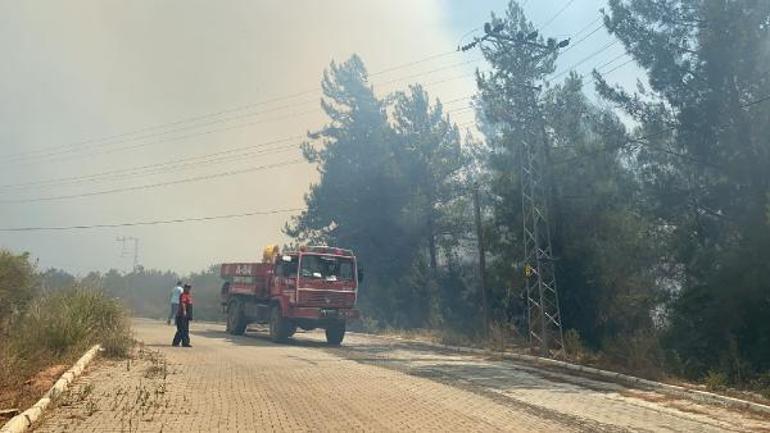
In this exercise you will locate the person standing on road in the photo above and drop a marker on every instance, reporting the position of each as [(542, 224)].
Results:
[(175, 293), (183, 317)]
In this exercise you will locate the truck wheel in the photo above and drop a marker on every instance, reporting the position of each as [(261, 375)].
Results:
[(279, 327), (236, 323), (335, 333)]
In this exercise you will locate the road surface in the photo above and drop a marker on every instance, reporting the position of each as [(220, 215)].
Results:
[(248, 384)]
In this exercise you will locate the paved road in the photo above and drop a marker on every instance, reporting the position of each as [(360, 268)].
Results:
[(247, 384)]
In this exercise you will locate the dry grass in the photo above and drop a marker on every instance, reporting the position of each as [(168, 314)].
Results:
[(499, 338), (50, 335)]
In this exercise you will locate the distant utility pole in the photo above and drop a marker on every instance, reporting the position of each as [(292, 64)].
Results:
[(543, 312), (482, 259), (123, 240)]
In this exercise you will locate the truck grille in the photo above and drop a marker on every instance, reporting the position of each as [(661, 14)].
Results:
[(326, 299)]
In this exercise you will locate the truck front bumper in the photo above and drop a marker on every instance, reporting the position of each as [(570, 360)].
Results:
[(317, 313)]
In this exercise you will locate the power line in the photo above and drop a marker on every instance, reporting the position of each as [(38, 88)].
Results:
[(585, 59), (416, 62), (127, 136), (165, 125), (157, 185), (131, 135), (165, 170), (203, 159), (586, 27), (65, 152), (623, 54), (573, 45), (147, 223), (556, 15), (186, 162), (160, 165), (642, 141), (432, 71), (618, 67), (468, 33), (285, 106), (67, 156)]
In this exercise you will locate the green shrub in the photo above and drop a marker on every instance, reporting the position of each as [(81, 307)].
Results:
[(573, 344), (715, 380)]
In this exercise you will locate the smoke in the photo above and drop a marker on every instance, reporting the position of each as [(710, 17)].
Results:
[(78, 70)]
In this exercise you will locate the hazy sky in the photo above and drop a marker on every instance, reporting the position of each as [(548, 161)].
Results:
[(94, 86)]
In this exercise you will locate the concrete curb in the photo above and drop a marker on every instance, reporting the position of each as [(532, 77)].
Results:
[(24, 420), (682, 391)]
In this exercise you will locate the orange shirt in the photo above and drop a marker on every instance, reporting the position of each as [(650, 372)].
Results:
[(185, 304)]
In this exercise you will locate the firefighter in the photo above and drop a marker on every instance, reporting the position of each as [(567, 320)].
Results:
[(183, 317)]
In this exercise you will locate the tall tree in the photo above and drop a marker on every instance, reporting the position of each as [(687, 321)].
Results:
[(432, 162), (704, 154), (358, 200), (604, 243), (18, 284), (603, 256), (511, 114)]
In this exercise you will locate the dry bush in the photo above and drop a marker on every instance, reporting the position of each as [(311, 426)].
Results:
[(69, 322), (502, 336), (639, 354), (57, 328)]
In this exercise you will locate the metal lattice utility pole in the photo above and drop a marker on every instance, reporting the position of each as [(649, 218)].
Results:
[(123, 240), (543, 312)]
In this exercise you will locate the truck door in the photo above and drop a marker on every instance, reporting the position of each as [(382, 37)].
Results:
[(285, 275)]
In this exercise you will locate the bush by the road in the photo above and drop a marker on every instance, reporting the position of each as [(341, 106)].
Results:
[(71, 321), (40, 329)]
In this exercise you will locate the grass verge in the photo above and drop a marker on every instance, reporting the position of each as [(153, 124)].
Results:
[(41, 342)]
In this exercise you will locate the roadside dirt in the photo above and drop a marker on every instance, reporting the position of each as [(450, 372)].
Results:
[(23, 396)]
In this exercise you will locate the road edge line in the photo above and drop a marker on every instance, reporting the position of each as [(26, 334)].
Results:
[(23, 421), (695, 394)]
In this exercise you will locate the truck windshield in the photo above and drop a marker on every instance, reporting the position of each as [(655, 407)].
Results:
[(331, 268)]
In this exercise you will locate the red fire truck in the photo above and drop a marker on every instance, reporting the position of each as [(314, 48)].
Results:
[(314, 287)]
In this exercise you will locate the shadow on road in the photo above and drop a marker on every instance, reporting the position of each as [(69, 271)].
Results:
[(416, 359), (252, 338)]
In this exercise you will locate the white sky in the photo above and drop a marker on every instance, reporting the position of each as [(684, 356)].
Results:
[(78, 71)]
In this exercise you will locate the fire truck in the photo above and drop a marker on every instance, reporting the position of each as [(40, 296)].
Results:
[(314, 287)]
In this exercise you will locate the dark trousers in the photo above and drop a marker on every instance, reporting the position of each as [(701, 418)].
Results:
[(182, 331)]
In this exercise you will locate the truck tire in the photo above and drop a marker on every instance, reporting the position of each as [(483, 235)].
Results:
[(335, 333), (280, 328), (236, 322)]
